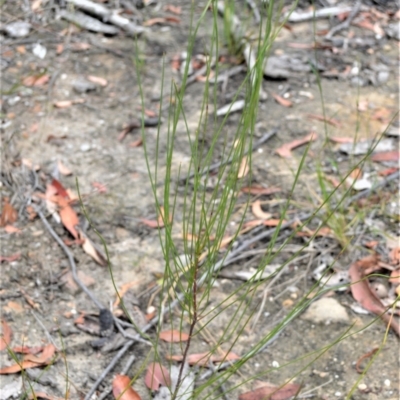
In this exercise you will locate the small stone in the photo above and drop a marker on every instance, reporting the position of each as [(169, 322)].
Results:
[(362, 387), (39, 51), (326, 310), (387, 382), (85, 147), (18, 29), (275, 364), (82, 85), (383, 77)]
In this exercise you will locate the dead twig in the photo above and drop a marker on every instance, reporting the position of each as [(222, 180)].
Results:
[(128, 344), (345, 24), (256, 12), (47, 333), (70, 258), (219, 164), (108, 15)]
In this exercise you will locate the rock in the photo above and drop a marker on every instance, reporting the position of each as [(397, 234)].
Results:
[(82, 85), (326, 310), (18, 29)]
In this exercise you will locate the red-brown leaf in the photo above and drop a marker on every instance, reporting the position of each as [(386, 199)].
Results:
[(97, 80), (27, 349), (11, 258), (5, 338), (393, 155), (173, 336), (203, 359), (260, 190), (174, 9), (330, 121), (272, 392), (60, 189), (285, 150), (122, 389), (31, 361), (43, 395), (68, 216), (282, 101), (157, 376), (8, 215), (12, 229), (363, 294)]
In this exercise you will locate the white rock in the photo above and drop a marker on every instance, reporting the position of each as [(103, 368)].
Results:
[(326, 310)]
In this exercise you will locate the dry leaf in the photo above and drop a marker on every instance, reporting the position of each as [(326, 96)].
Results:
[(90, 249), (21, 49), (173, 336), (12, 258), (157, 376), (285, 150), (12, 229), (38, 80), (258, 212), (29, 164), (9, 214), (244, 167), (68, 216), (393, 155), (80, 46), (330, 121), (31, 361), (281, 100), (42, 80), (136, 143), (363, 294), (273, 222), (36, 5), (59, 48), (5, 337), (203, 359), (154, 21), (101, 188), (14, 306), (150, 223), (97, 80), (63, 103), (174, 9), (388, 171), (63, 169), (67, 103), (42, 395), (341, 140), (260, 190), (27, 349), (272, 392), (121, 292), (122, 389)]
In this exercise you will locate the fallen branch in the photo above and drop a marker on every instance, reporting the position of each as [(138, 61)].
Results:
[(219, 164), (345, 24), (108, 16)]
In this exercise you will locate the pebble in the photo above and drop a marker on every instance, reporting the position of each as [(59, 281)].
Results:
[(18, 29), (82, 85), (362, 387), (326, 310), (85, 147)]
